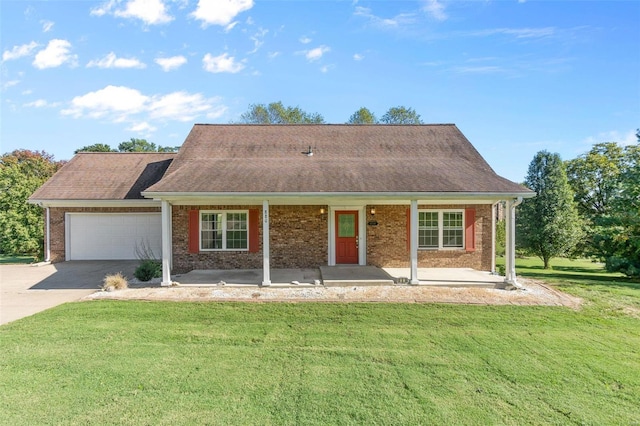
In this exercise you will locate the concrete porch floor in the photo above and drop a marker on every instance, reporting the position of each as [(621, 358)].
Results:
[(330, 276)]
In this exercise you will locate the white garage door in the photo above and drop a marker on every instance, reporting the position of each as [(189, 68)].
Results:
[(112, 236)]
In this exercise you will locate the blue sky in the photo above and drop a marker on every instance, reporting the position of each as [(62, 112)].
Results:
[(515, 76)]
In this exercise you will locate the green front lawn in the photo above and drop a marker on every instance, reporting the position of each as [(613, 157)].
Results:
[(111, 362)]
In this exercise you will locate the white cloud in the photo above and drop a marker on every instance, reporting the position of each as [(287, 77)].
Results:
[(10, 83), (118, 100), (220, 12), (121, 104), (172, 63), (385, 23), (326, 68), (317, 53), (230, 26), (181, 106), (19, 51), (37, 103), (55, 54), (623, 138), (358, 57), (221, 63), (435, 9), (151, 12), (142, 127), (517, 32), (304, 40), (258, 39), (47, 26), (111, 61)]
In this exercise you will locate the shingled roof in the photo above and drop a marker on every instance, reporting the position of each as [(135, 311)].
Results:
[(105, 176), (346, 159)]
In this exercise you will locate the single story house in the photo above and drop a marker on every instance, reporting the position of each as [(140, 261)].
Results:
[(286, 196)]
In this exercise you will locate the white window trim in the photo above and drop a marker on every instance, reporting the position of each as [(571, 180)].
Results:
[(224, 229), (441, 229)]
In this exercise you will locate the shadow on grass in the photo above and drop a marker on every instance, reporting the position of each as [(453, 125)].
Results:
[(585, 278), (15, 260)]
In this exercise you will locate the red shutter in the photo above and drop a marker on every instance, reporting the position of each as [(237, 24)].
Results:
[(194, 231), (470, 229), (254, 232), (409, 230)]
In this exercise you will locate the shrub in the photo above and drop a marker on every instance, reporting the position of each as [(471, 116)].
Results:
[(148, 270), (114, 282)]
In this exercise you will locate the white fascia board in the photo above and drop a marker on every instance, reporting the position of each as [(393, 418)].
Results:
[(96, 203), (191, 198)]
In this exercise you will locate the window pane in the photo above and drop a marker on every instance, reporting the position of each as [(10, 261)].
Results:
[(346, 225), (211, 236), (452, 229), (428, 229), (237, 231)]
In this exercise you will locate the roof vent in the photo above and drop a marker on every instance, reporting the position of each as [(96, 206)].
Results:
[(308, 152)]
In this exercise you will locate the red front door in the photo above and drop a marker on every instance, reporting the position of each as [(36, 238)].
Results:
[(347, 237)]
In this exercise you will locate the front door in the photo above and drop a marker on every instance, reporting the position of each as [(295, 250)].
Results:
[(347, 237)]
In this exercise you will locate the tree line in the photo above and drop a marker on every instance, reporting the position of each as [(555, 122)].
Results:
[(588, 206)]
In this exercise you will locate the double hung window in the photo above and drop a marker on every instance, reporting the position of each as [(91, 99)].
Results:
[(226, 230), (440, 229)]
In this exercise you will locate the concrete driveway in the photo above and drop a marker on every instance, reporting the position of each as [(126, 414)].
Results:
[(27, 289)]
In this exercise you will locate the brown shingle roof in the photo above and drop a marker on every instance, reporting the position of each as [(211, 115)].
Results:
[(105, 176), (346, 158)]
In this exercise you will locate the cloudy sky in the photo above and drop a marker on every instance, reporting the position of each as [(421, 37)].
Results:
[(516, 77)]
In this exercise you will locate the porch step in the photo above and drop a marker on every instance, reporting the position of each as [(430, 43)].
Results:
[(348, 275)]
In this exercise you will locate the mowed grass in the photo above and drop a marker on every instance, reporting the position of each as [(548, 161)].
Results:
[(111, 362), (14, 259)]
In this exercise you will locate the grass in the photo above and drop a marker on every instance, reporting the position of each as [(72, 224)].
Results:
[(111, 362), (6, 259)]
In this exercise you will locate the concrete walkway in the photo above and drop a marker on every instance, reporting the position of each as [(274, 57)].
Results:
[(26, 289)]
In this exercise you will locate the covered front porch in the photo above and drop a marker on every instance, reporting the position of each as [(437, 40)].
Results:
[(334, 276)]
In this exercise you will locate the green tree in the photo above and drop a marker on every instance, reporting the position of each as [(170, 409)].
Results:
[(548, 224), (21, 224), (277, 113), (595, 178), (362, 116), (96, 147), (619, 236), (137, 145), (401, 115)]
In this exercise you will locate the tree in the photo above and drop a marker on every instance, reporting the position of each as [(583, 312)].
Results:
[(21, 173), (96, 147), (277, 113), (362, 116), (401, 115), (619, 239), (548, 224), (137, 145), (595, 178)]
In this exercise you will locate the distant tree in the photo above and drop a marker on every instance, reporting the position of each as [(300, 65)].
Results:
[(277, 113), (96, 147), (21, 224), (548, 224), (362, 116), (168, 148), (137, 145), (401, 115)]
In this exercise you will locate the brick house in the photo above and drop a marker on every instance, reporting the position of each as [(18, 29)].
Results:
[(286, 196)]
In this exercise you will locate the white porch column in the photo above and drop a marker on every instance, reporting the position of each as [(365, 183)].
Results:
[(47, 241), (266, 272), (493, 238), (413, 231), (166, 243), (510, 244)]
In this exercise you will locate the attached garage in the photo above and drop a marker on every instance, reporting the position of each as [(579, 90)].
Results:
[(111, 236)]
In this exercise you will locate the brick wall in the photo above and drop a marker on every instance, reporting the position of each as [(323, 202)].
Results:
[(57, 217), (387, 242), (297, 239)]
